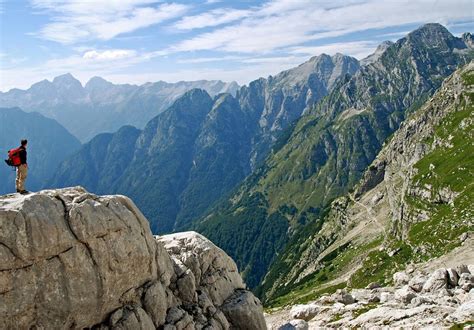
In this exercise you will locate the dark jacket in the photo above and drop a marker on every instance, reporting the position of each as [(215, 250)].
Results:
[(22, 155)]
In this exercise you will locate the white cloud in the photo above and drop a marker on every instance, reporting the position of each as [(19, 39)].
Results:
[(212, 18), (113, 54), (210, 59), (78, 20), (283, 23)]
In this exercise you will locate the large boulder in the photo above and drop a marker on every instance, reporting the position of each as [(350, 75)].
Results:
[(342, 296), (437, 280), (405, 294), (71, 259), (297, 324), (304, 312), (400, 278), (416, 282)]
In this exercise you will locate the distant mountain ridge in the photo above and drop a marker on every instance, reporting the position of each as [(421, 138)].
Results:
[(101, 106), (191, 155)]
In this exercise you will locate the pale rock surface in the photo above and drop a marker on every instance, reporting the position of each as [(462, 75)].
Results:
[(436, 281), (210, 267), (304, 312), (416, 282), (441, 305), (466, 281), (343, 297), (297, 324), (400, 278), (405, 294), (71, 259)]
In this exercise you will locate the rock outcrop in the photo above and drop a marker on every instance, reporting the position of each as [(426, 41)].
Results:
[(71, 259), (440, 303)]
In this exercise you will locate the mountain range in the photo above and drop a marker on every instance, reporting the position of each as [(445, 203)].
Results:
[(329, 149), (413, 206), (101, 106), (189, 156)]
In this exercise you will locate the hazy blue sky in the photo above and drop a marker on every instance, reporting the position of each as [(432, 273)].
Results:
[(136, 41)]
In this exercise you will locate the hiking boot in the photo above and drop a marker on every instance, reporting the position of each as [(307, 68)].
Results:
[(24, 192), (18, 190)]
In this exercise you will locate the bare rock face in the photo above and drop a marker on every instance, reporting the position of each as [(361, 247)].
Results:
[(70, 259), (219, 289)]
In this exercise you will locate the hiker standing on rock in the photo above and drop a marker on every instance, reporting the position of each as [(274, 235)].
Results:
[(17, 158), (22, 169)]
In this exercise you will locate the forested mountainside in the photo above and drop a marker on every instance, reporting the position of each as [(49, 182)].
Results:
[(101, 106), (191, 155), (328, 150), (413, 204), (49, 144)]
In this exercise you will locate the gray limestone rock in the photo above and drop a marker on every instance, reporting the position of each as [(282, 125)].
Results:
[(244, 311), (453, 277), (343, 297), (466, 282), (400, 278), (405, 294), (294, 325), (437, 280), (155, 303), (70, 259), (416, 282), (304, 312)]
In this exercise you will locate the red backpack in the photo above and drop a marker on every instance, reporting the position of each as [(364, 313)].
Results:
[(14, 157)]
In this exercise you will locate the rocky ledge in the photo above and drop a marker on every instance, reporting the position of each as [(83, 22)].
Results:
[(71, 259), (417, 299)]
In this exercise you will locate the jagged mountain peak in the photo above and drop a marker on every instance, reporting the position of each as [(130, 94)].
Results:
[(196, 93), (97, 82), (326, 67), (378, 52), (40, 85), (431, 29), (67, 79), (434, 35)]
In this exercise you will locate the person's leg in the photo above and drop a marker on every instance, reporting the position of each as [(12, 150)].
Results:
[(25, 175), (17, 181), (22, 171)]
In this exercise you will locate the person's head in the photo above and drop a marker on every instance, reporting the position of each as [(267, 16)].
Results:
[(24, 143)]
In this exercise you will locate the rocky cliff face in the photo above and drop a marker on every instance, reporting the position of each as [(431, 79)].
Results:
[(70, 259)]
